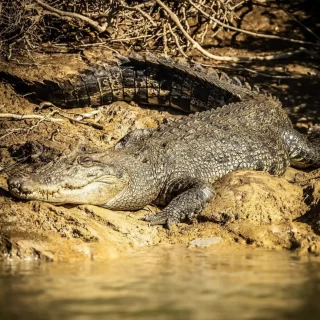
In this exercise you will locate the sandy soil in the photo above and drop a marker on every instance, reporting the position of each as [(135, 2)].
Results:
[(250, 209)]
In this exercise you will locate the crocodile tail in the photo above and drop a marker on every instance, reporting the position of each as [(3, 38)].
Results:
[(34, 91), (144, 79), (148, 80)]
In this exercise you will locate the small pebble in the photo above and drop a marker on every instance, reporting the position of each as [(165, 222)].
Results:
[(205, 242)]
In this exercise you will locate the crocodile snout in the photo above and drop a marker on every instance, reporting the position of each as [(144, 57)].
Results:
[(18, 187)]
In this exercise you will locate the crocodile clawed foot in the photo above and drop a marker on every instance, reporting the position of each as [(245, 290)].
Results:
[(161, 218)]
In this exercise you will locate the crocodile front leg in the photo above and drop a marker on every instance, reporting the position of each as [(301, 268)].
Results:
[(191, 201)]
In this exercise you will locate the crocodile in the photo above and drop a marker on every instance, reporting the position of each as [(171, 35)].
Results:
[(175, 166)]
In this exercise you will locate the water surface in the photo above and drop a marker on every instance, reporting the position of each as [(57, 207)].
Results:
[(165, 283)]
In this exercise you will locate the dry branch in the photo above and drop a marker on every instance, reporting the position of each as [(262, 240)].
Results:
[(78, 119), (68, 15), (255, 34), (15, 116), (206, 53), (28, 25), (144, 14)]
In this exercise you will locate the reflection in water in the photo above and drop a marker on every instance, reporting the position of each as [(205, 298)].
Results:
[(166, 283)]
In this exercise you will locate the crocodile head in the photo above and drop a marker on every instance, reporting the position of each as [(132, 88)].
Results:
[(80, 178)]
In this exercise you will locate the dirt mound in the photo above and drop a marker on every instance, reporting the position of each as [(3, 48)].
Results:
[(252, 208)]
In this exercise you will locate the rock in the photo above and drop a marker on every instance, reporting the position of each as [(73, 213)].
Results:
[(205, 242)]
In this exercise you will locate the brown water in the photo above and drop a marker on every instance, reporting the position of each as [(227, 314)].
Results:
[(166, 283)]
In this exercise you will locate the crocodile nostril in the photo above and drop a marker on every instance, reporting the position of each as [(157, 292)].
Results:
[(16, 184)]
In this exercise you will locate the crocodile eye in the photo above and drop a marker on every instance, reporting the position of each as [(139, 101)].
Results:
[(85, 161)]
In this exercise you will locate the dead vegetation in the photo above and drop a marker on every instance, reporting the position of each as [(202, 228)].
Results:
[(170, 27)]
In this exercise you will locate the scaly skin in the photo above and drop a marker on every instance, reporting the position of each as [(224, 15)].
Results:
[(146, 80), (176, 164)]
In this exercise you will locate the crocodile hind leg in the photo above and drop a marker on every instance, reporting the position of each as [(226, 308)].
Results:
[(189, 202), (303, 151)]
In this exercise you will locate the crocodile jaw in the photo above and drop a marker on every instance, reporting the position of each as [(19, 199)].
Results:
[(94, 192)]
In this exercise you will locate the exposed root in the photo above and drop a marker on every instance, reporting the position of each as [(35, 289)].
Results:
[(76, 118), (14, 116)]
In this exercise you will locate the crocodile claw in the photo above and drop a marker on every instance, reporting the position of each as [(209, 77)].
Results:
[(160, 218)]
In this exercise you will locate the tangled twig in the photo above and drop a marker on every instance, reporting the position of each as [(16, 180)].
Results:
[(206, 53), (15, 116), (78, 118), (255, 34), (159, 25), (67, 15)]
